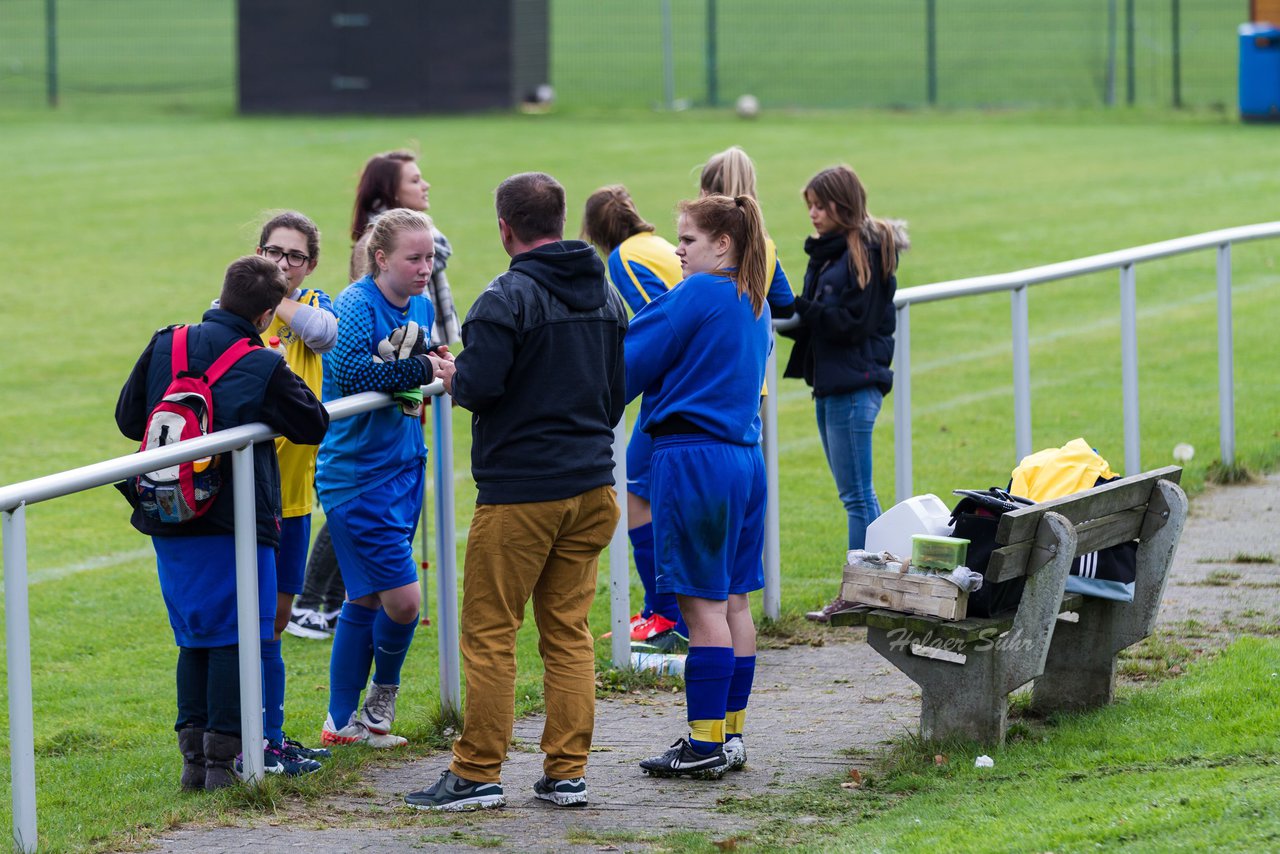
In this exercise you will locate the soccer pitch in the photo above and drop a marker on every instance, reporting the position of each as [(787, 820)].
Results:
[(115, 225)]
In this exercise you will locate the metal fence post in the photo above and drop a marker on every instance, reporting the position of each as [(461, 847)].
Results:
[(1176, 14), (1131, 54), (619, 556), (51, 51), (1129, 369), (17, 636), (1226, 362), (1112, 41), (1021, 373), (446, 558), (931, 50), (713, 82), (668, 59), (247, 621), (772, 507), (902, 405)]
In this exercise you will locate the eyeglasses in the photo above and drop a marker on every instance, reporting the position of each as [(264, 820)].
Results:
[(275, 253)]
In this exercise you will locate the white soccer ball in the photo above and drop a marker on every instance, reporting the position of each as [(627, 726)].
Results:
[(1182, 452), (748, 106)]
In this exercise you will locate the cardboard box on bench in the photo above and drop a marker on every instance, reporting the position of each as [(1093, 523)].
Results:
[(915, 594)]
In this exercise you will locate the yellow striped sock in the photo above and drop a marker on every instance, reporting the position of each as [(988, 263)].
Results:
[(711, 732), (733, 721)]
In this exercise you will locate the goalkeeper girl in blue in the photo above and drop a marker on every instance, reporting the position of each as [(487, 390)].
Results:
[(370, 475), (697, 353), (642, 266)]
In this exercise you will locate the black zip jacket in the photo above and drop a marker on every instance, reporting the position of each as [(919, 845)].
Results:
[(259, 387), (845, 340), (542, 372)]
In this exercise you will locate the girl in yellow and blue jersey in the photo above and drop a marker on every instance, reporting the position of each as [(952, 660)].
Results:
[(304, 327), (642, 266)]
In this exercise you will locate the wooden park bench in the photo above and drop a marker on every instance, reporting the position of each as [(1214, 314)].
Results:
[(966, 669)]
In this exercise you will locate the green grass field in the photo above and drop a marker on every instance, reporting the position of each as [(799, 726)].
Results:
[(816, 53), (114, 225)]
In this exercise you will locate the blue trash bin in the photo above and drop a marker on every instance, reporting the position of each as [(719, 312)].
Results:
[(1259, 72)]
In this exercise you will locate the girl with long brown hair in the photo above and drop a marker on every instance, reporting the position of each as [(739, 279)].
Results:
[(844, 344)]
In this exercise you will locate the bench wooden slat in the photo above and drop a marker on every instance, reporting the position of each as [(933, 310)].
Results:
[(961, 630), (1012, 561), (1019, 525)]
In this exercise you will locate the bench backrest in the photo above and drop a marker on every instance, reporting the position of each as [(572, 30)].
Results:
[(1117, 512)]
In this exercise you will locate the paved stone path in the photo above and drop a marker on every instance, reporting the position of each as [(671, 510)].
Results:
[(840, 695)]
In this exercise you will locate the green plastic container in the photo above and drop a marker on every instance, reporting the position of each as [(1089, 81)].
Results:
[(945, 553)]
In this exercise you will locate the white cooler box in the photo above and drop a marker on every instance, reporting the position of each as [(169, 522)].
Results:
[(920, 514)]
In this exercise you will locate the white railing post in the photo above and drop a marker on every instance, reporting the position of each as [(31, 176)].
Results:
[(772, 508), (17, 637), (1226, 362), (446, 557), (902, 404), (619, 556), (1129, 369), (1021, 373), (247, 619)]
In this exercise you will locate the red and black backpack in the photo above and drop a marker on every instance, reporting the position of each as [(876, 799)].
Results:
[(182, 492)]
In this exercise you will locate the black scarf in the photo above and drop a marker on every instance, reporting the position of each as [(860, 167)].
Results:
[(822, 250)]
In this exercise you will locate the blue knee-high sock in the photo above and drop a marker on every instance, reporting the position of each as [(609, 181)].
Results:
[(390, 645), (708, 671), (272, 691), (744, 672), (350, 660), (642, 550)]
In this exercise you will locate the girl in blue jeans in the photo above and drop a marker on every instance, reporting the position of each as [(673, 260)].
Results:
[(844, 344)]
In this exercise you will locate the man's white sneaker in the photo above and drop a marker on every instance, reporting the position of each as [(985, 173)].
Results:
[(357, 733)]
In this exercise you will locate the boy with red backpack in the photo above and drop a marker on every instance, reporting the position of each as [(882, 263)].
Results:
[(191, 380)]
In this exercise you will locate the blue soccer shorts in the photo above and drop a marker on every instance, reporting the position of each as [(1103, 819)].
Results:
[(373, 534), (708, 500), (639, 455), (291, 560)]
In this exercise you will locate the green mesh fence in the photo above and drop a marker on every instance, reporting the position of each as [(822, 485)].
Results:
[(859, 53), (605, 53), (166, 53)]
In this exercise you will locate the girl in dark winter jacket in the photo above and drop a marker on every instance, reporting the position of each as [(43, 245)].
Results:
[(844, 344)]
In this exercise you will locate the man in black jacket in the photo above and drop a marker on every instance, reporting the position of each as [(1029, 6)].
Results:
[(196, 558), (542, 373)]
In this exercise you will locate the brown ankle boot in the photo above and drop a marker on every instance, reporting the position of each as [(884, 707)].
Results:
[(191, 743), (220, 752)]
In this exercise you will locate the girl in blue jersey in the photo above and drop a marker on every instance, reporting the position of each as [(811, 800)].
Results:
[(844, 344), (370, 476), (642, 266), (697, 354)]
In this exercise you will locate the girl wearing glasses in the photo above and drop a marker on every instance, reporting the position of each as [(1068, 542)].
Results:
[(305, 327), (393, 180)]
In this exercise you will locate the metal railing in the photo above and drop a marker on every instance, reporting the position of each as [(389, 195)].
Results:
[(1016, 283), (239, 442)]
